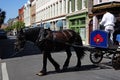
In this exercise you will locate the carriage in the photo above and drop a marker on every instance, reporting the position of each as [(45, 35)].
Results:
[(51, 41), (101, 47)]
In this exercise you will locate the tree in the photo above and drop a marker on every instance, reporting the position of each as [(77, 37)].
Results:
[(17, 25), (2, 17)]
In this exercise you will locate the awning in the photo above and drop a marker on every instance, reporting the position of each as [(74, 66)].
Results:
[(47, 25), (106, 6), (59, 23)]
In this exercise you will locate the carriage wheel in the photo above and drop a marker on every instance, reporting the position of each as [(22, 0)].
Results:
[(116, 61), (96, 57)]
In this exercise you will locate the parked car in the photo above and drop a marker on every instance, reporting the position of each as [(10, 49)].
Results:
[(3, 34)]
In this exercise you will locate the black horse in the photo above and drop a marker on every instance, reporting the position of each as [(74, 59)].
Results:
[(49, 41)]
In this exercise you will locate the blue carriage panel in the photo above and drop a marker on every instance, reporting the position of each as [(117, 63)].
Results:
[(99, 38), (118, 37)]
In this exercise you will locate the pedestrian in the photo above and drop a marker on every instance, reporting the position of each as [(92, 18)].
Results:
[(108, 21)]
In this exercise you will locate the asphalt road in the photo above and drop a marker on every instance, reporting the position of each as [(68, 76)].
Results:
[(26, 67), (7, 48), (27, 63)]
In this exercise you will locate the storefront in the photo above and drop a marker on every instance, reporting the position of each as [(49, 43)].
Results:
[(78, 23), (100, 9)]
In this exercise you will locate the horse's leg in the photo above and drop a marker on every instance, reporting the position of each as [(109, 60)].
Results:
[(69, 54), (56, 65), (79, 54), (44, 69)]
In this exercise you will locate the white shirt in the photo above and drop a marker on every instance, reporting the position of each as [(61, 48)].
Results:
[(108, 19)]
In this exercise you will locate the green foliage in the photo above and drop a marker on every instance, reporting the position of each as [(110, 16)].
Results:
[(17, 25)]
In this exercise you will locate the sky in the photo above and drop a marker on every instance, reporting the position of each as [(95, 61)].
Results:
[(11, 7)]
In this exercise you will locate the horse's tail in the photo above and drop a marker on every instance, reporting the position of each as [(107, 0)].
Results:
[(79, 46), (78, 40)]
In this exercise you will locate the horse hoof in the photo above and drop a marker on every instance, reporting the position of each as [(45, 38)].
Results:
[(41, 74), (64, 69), (77, 68), (58, 70)]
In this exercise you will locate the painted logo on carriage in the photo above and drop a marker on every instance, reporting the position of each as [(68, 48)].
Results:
[(98, 39)]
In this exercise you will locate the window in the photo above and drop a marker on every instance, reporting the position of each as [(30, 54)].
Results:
[(77, 21), (72, 22), (82, 20), (100, 0), (73, 5), (79, 4), (60, 7), (82, 33)]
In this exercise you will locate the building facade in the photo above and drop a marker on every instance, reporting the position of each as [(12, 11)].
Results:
[(59, 14), (52, 13), (21, 14), (100, 7), (27, 13), (77, 17), (32, 12)]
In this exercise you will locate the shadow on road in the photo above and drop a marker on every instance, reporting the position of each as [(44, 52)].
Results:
[(83, 68), (7, 49)]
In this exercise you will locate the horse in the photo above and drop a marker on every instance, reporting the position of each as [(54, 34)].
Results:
[(52, 41)]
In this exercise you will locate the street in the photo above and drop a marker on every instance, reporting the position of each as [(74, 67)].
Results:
[(27, 63), (54, 25)]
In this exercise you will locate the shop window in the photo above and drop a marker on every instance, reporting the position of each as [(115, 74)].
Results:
[(77, 30), (78, 21), (73, 28), (82, 33), (82, 20), (72, 22)]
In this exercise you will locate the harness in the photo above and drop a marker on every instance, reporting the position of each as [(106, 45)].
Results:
[(53, 38), (65, 34)]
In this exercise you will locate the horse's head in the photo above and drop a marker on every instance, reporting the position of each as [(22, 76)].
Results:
[(20, 41)]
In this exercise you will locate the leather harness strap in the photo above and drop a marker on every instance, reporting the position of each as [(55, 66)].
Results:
[(65, 35), (69, 33)]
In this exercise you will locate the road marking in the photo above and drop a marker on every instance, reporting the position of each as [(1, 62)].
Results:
[(4, 71)]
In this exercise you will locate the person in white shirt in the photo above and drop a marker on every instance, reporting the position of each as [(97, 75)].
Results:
[(108, 21)]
